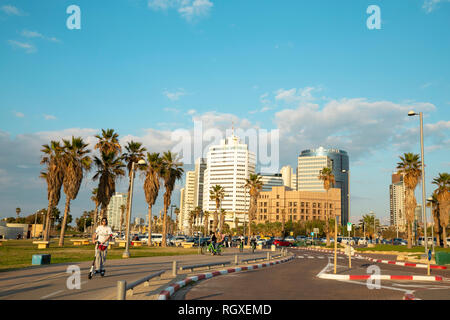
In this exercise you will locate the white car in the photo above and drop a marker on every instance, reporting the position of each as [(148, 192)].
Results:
[(177, 240), (290, 239)]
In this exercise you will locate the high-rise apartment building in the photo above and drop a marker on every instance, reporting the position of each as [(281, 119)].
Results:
[(310, 162), (189, 200), (289, 177), (397, 202), (113, 210), (271, 180), (229, 164)]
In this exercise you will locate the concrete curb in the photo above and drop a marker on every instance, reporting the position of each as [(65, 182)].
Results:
[(379, 277), (403, 264), (172, 288)]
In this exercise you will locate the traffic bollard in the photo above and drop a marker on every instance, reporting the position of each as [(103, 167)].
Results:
[(236, 259), (174, 269), (121, 292), (268, 256)]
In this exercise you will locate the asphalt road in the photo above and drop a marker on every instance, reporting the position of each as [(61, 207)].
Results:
[(297, 280), (50, 282)]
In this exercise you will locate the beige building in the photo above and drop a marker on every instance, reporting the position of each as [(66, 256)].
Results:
[(297, 205)]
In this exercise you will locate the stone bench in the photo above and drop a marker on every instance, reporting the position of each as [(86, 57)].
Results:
[(136, 243), (80, 242), (122, 243), (2, 240), (42, 244)]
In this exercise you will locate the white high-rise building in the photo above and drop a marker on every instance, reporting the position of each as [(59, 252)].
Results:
[(180, 216), (309, 170), (113, 211), (189, 200), (289, 177), (271, 180), (229, 164), (397, 202)]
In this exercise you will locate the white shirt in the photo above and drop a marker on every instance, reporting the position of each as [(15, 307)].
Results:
[(103, 233)]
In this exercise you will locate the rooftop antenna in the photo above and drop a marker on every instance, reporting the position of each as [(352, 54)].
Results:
[(232, 128)]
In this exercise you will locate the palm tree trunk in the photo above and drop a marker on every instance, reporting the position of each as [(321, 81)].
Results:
[(47, 221), (149, 242), (327, 215), (164, 228), (444, 236), (63, 225), (409, 235), (94, 220)]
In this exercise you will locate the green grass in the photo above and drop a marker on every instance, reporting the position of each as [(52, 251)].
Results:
[(389, 247), (16, 254)]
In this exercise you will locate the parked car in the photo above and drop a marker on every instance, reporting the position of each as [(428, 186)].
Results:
[(347, 240), (399, 241), (290, 239), (177, 240), (282, 243), (300, 238)]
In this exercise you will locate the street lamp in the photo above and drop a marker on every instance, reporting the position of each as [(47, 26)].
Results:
[(126, 253), (431, 200), (411, 114), (348, 194), (373, 214)]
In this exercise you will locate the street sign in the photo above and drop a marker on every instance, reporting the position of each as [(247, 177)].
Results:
[(312, 233), (316, 230), (349, 226), (349, 251), (429, 255), (292, 233)]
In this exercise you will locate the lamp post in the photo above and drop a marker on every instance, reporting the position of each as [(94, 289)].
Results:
[(411, 114), (430, 199), (348, 194), (126, 253)]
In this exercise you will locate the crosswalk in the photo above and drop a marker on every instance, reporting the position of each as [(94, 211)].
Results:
[(318, 257)]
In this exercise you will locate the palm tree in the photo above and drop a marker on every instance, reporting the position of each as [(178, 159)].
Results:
[(434, 204), (76, 163), (368, 221), (97, 203), (54, 176), (109, 168), (192, 215), (153, 172), (327, 176), (217, 194), (171, 172), (254, 184), (177, 214), (134, 153), (18, 212), (443, 198), (206, 222), (198, 212), (222, 219), (410, 168), (108, 142), (122, 215)]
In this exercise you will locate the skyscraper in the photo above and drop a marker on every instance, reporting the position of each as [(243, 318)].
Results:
[(271, 180), (113, 210), (229, 164), (397, 202), (289, 177), (311, 161)]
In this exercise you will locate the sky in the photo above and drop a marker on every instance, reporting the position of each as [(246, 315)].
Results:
[(310, 72)]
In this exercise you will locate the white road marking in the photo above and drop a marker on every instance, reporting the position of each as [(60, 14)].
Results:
[(300, 257), (320, 257), (51, 294), (310, 257)]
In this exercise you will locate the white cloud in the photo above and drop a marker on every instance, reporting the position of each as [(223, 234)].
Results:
[(430, 5), (174, 96), (28, 47), (11, 10), (49, 117), (188, 9), (19, 114), (295, 95), (35, 34)]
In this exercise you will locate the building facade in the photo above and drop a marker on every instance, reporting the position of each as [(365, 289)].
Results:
[(397, 202), (284, 203), (271, 180), (229, 164), (289, 177), (311, 161), (113, 211)]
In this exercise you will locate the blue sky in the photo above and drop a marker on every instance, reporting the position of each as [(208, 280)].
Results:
[(311, 69)]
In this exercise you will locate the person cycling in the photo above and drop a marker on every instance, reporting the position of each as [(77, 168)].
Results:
[(253, 242), (214, 241), (101, 238), (241, 243)]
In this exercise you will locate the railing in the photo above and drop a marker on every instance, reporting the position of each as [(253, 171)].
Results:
[(123, 287), (209, 265)]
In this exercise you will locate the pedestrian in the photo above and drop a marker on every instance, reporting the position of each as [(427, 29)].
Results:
[(101, 238)]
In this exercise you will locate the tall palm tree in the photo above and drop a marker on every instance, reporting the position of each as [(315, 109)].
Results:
[(97, 203), (153, 172), (254, 184), (108, 142), (206, 222), (76, 163), (134, 153), (443, 197), (327, 176), (109, 169), (222, 219), (217, 194), (171, 172), (54, 175), (191, 220), (198, 212), (177, 214), (122, 215), (435, 212), (410, 167), (18, 212)]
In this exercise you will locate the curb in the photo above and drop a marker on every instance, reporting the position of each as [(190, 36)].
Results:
[(404, 264), (379, 277), (409, 296), (174, 287)]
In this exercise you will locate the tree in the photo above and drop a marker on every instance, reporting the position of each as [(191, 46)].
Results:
[(109, 168), (442, 193), (122, 215), (254, 184), (18, 212), (97, 203), (171, 172), (108, 142), (368, 221), (192, 215), (53, 175), (327, 176), (222, 219), (153, 173), (410, 168), (217, 194), (206, 222), (76, 162)]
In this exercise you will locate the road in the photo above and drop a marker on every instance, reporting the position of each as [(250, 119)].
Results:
[(297, 280)]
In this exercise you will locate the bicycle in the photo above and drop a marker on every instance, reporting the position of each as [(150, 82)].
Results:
[(253, 246), (213, 250), (241, 246)]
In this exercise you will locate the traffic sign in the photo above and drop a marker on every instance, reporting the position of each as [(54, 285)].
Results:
[(312, 233), (429, 255), (349, 226)]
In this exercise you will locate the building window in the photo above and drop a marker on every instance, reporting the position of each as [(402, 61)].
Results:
[(290, 218), (302, 211), (278, 204), (278, 211), (314, 204), (303, 204), (295, 218), (278, 196), (314, 211), (295, 210), (278, 217), (295, 204), (307, 211), (290, 204), (307, 204)]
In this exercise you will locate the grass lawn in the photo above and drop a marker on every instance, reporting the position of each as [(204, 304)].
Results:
[(18, 253), (389, 247)]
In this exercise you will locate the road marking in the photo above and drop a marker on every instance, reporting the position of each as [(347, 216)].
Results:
[(320, 257), (310, 257), (51, 294), (300, 257)]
